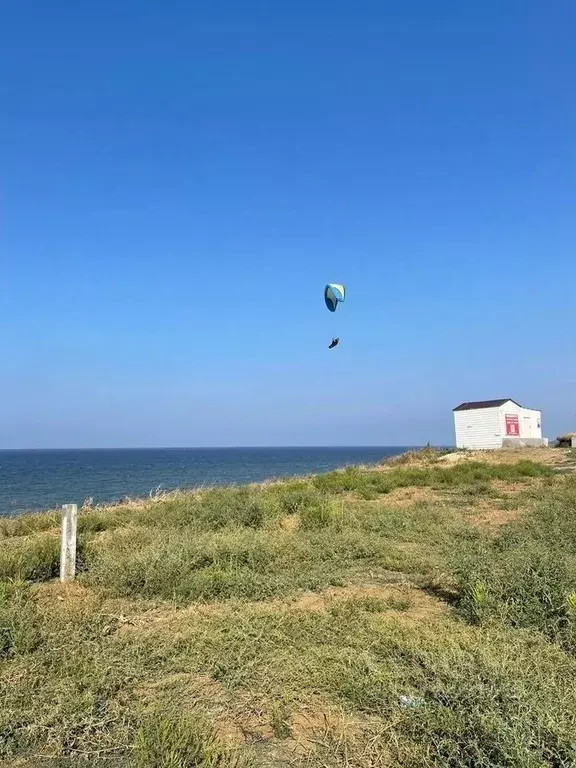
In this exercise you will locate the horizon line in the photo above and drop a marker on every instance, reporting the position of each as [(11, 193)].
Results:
[(216, 447)]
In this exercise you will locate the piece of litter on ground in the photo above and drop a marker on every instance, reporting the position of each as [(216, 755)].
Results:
[(410, 702)]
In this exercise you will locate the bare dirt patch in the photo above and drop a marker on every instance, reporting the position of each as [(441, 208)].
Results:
[(189, 690), (508, 506), (486, 515), (316, 725), (315, 721), (548, 456), (406, 599), (290, 523), (407, 497)]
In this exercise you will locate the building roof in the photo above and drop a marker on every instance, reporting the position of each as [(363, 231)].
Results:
[(485, 404)]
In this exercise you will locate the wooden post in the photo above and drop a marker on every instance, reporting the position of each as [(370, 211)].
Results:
[(68, 542)]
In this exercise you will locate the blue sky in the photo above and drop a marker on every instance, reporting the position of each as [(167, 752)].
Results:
[(180, 180)]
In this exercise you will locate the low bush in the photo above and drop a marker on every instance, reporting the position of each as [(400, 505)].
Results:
[(31, 558), (321, 514), (526, 575), (479, 475), (23, 525)]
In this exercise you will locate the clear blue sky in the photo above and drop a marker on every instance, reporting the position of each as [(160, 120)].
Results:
[(179, 181)]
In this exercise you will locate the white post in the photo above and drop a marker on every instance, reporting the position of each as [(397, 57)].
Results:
[(68, 542)]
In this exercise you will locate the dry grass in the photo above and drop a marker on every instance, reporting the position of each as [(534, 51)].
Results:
[(282, 624), (401, 498), (552, 457)]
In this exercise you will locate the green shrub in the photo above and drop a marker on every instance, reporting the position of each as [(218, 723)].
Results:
[(211, 510), (525, 575), (293, 497), (317, 516), (525, 587), (340, 481)]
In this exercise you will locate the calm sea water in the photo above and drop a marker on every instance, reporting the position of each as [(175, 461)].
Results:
[(36, 480)]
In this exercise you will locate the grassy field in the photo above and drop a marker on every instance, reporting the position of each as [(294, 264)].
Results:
[(417, 613)]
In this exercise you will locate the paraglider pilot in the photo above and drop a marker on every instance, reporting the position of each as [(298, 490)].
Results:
[(334, 294)]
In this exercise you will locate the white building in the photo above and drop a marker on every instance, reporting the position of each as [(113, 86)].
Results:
[(493, 423)]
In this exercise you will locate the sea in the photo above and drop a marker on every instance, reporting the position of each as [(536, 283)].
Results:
[(35, 480)]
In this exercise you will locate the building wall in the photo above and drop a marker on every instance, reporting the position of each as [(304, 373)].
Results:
[(533, 421), (480, 428), (487, 427), (529, 420), (511, 409)]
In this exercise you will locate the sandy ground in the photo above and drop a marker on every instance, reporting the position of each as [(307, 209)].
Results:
[(549, 456)]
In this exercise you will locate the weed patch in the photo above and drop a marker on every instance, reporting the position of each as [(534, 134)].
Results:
[(478, 476), (19, 626), (526, 575), (167, 739), (32, 558)]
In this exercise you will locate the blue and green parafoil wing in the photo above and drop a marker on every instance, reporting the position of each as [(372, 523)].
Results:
[(333, 295)]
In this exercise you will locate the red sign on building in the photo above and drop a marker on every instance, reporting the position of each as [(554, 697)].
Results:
[(512, 425)]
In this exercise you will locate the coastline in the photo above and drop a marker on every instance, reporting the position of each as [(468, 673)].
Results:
[(285, 621), (40, 480)]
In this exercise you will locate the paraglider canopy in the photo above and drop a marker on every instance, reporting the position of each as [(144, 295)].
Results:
[(333, 295)]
